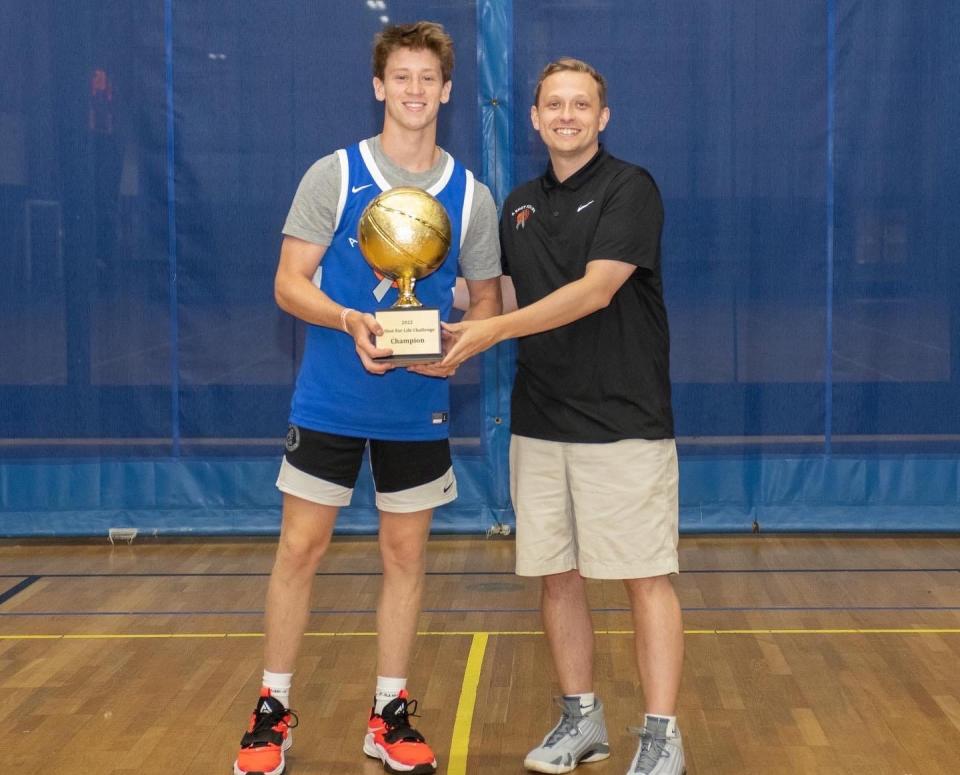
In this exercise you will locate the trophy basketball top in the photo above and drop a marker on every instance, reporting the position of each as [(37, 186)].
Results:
[(404, 233)]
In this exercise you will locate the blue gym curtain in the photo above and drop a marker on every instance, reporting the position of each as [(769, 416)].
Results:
[(808, 158)]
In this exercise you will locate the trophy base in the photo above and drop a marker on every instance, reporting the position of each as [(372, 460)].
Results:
[(412, 333), (410, 360)]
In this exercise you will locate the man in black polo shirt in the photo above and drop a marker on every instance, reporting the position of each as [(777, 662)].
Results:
[(593, 458)]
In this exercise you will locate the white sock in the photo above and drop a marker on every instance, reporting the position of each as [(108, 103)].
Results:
[(387, 689), (587, 700), (279, 686), (671, 722)]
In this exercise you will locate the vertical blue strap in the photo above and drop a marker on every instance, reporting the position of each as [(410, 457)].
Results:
[(495, 93), (495, 97), (831, 216), (172, 235)]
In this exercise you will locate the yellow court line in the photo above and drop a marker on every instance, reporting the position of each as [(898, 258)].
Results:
[(488, 633), (460, 742)]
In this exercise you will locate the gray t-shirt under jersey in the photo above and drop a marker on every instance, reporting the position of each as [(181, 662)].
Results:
[(313, 213)]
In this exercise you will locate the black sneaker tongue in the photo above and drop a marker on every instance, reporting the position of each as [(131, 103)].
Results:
[(269, 705), (395, 708)]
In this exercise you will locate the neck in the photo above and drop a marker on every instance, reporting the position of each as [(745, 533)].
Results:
[(564, 166), (415, 151)]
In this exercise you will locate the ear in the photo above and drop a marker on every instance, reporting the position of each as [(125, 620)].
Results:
[(604, 117), (445, 92), (535, 117), (378, 91)]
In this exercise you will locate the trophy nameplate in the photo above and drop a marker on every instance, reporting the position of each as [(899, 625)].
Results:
[(413, 333)]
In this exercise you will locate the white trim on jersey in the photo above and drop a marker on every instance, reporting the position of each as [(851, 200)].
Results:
[(437, 187), (467, 205), (372, 167), (344, 185)]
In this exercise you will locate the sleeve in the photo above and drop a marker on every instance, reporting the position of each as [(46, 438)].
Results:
[(630, 222), (313, 214), (480, 254), (504, 224)]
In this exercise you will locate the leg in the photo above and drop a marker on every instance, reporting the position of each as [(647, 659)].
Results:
[(658, 641), (304, 538), (390, 738), (316, 478), (412, 478), (546, 547), (625, 498), (403, 543), (581, 734), (569, 629)]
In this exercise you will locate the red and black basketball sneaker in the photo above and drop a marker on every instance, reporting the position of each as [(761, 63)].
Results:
[(392, 740), (266, 739)]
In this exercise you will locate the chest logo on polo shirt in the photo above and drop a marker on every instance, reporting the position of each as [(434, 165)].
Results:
[(521, 215)]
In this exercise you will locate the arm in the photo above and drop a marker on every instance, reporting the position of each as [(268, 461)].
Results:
[(479, 257), (462, 295), (629, 227), (483, 301), (295, 293), (568, 303)]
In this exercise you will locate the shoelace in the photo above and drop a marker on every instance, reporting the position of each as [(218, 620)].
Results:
[(566, 726), (267, 721), (398, 723), (650, 749)]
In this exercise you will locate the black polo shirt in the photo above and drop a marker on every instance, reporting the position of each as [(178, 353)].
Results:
[(605, 377)]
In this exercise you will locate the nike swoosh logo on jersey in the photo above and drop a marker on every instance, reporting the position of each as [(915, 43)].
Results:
[(355, 189), (584, 207)]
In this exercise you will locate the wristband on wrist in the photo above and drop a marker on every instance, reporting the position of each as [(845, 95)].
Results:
[(343, 318)]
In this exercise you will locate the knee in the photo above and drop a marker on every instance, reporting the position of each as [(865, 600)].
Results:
[(646, 589), (302, 554), (402, 556), (562, 585)]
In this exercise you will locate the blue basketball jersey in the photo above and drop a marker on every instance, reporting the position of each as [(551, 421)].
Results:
[(334, 393)]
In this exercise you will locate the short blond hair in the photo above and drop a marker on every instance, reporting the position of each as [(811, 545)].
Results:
[(570, 64), (419, 36)]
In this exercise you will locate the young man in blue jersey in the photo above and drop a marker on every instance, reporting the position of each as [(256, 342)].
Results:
[(346, 400)]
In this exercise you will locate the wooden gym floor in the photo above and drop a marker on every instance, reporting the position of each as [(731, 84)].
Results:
[(828, 655)]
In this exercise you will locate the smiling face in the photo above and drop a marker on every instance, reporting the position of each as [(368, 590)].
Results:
[(412, 89), (569, 117)]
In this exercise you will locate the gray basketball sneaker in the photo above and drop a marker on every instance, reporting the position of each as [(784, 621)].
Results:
[(659, 753), (577, 738)]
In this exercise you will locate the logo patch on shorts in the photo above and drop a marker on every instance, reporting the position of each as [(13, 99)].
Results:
[(439, 418), (292, 442)]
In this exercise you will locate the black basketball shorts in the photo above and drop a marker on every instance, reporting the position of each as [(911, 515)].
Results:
[(408, 475)]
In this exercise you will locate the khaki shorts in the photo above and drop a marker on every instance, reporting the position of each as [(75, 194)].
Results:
[(609, 510)]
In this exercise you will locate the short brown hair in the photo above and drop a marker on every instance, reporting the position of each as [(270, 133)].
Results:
[(569, 64), (418, 36)]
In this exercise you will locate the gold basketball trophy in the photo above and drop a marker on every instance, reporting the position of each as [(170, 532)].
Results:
[(404, 234)]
